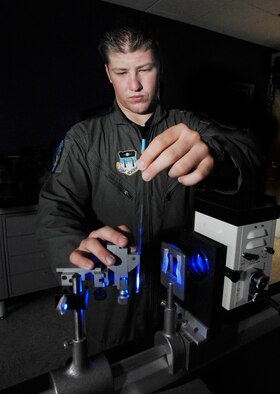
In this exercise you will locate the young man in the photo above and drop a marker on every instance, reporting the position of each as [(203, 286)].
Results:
[(102, 180)]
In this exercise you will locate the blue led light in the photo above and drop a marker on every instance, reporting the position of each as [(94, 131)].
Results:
[(64, 307)]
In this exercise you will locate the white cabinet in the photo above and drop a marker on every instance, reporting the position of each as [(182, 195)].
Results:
[(23, 265)]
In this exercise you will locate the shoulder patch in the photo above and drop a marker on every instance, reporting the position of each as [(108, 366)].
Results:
[(58, 154)]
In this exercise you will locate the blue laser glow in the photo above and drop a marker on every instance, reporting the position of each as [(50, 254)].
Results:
[(138, 278), (86, 298), (199, 265), (143, 144)]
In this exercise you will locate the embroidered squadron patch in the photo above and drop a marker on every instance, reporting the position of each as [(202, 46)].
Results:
[(127, 163)]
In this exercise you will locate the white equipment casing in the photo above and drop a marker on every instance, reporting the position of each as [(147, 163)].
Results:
[(250, 239)]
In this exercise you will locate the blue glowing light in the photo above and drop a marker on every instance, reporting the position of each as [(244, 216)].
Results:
[(143, 144), (138, 278), (137, 284), (81, 286), (174, 247), (64, 307), (198, 265), (86, 298), (174, 266), (139, 246)]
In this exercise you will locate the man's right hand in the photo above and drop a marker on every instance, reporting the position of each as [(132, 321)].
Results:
[(93, 245)]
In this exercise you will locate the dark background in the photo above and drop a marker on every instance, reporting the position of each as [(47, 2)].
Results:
[(52, 77), (52, 74)]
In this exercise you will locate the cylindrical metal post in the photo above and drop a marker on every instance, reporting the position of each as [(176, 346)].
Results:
[(169, 325), (78, 313)]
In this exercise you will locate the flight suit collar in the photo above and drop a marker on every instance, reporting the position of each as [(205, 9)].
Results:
[(120, 118)]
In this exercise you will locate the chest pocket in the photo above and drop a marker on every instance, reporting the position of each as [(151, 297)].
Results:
[(120, 186), (114, 198)]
